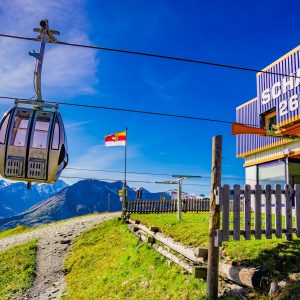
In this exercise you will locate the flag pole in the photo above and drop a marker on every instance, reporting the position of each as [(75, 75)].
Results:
[(125, 156), (124, 200)]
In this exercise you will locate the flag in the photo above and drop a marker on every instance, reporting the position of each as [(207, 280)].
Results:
[(115, 139)]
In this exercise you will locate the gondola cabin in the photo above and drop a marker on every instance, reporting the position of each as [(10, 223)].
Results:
[(33, 145)]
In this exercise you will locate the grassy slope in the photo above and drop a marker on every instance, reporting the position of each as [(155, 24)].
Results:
[(17, 269), (107, 262), (16, 230), (277, 255)]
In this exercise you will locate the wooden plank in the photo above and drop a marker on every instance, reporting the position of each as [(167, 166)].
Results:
[(268, 211), (236, 212), (278, 211), (139, 206), (251, 277), (257, 212), (199, 272), (297, 208), (163, 251), (288, 212), (201, 252), (247, 212), (225, 213)]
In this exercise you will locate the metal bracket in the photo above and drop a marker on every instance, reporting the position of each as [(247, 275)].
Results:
[(34, 54), (218, 238), (37, 104)]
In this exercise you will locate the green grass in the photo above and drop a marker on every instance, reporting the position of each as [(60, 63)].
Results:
[(276, 255), (17, 269), (192, 229), (13, 231), (108, 262)]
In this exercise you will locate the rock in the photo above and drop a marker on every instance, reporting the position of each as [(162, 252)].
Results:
[(273, 288), (282, 283), (145, 284), (65, 241), (294, 276)]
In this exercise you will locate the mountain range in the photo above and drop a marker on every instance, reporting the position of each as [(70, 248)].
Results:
[(83, 197), (15, 197)]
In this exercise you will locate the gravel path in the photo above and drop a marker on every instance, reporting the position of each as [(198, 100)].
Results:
[(54, 243)]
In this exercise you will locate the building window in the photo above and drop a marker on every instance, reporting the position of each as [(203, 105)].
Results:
[(272, 173), (268, 120)]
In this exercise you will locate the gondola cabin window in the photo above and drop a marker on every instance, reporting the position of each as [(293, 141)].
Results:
[(3, 129), (41, 130), (55, 140), (20, 128)]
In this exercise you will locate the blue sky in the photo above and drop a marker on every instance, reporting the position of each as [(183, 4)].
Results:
[(246, 33)]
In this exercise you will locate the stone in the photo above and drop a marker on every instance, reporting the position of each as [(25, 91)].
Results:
[(65, 241), (273, 288), (282, 283), (294, 276)]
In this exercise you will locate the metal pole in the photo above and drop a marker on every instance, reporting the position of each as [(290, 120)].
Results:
[(108, 202), (214, 224), (124, 197), (38, 70), (179, 200), (287, 176)]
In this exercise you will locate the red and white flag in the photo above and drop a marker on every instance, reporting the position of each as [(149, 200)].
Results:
[(115, 139)]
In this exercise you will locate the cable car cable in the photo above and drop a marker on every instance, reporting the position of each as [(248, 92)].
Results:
[(130, 110), (168, 57), (164, 174), (110, 179)]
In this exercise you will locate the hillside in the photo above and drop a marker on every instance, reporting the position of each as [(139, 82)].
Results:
[(53, 245), (83, 197)]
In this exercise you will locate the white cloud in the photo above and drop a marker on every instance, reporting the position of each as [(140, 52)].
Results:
[(76, 125), (67, 71), (101, 157)]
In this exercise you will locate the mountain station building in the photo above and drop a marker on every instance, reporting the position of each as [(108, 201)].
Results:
[(276, 107)]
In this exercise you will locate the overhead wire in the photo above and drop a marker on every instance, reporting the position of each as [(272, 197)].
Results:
[(165, 174), (147, 54), (142, 111), (130, 110), (129, 180)]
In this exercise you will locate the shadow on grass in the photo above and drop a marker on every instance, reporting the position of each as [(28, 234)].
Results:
[(280, 260)]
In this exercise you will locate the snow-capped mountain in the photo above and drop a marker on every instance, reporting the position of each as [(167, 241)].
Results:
[(3, 184), (83, 197), (15, 197)]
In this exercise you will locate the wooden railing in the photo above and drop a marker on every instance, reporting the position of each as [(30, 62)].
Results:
[(273, 207), (166, 206)]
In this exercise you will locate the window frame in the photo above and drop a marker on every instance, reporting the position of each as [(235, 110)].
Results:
[(6, 117), (56, 121), (12, 138), (37, 114)]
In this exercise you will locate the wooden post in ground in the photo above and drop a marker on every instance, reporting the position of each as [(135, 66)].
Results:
[(214, 224), (179, 200)]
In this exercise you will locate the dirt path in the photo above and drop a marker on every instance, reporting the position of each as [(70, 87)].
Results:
[(54, 243)]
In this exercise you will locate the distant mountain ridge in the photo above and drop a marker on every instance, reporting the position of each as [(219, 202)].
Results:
[(83, 197), (15, 197)]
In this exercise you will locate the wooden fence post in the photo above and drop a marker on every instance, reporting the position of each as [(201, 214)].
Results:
[(214, 224)]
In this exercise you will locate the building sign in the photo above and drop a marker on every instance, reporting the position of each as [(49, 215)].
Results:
[(281, 93)]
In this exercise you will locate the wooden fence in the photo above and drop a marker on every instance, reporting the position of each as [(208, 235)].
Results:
[(166, 206), (273, 207)]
